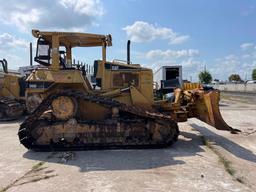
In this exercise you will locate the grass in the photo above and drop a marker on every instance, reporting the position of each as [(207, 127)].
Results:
[(225, 162), (38, 179), (35, 167), (240, 180)]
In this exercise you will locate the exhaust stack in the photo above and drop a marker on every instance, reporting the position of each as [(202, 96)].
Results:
[(128, 52), (31, 53), (5, 66)]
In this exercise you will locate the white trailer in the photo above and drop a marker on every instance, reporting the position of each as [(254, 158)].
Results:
[(169, 76)]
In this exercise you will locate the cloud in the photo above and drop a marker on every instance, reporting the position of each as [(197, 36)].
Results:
[(179, 39), (141, 31), (240, 63), (14, 50), (246, 46), (226, 66), (192, 64), (188, 58), (169, 54), (48, 14), (230, 57), (8, 41), (84, 7)]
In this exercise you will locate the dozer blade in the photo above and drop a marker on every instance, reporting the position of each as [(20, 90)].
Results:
[(207, 110)]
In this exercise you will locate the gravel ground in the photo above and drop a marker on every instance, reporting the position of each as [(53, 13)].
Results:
[(204, 159)]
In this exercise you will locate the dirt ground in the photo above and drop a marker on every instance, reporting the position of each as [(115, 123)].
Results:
[(204, 159)]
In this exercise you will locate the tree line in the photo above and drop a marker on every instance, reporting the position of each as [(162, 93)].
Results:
[(206, 77)]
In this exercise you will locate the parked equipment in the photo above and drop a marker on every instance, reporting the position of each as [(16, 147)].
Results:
[(167, 79), (119, 111), (12, 93)]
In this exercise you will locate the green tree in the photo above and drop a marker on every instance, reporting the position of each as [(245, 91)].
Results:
[(205, 77), (234, 77), (254, 74)]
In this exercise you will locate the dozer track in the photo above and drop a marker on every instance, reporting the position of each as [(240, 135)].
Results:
[(10, 109), (134, 127)]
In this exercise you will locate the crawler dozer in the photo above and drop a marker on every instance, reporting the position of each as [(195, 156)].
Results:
[(12, 94), (119, 111)]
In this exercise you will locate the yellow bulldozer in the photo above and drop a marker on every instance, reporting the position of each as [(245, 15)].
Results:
[(120, 110), (12, 93)]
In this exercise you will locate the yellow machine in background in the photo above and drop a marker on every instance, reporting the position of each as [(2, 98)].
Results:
[(120, 110), (12, 93)]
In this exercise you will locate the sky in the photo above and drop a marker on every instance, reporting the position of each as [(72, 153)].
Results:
[(219, 35)]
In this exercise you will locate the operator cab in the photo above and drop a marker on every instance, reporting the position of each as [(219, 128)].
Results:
[(44, 52), (54, 50), (44, 56)]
